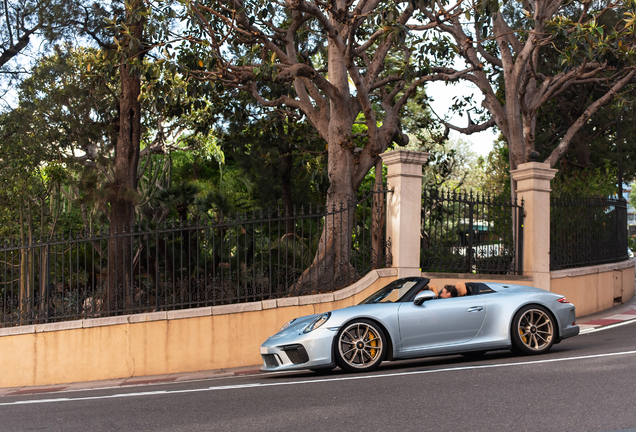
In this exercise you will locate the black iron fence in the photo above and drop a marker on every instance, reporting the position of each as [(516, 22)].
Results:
[(177, 265), (471, 233), (587, 231)]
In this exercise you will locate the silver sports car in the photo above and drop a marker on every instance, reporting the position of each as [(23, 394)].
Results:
[(407, 319)]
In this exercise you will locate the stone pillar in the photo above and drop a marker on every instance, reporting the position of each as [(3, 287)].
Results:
[(404, 221), (533, 185)]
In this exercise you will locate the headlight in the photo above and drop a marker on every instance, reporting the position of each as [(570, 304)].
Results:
[(318, 322), (287, 324)]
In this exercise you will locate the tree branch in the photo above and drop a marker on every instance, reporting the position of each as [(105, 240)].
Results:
[(563, 146)]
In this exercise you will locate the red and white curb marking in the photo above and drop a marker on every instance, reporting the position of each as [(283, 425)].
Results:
[(590, 326)]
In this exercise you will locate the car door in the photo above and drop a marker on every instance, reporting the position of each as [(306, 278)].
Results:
[(440, 322)]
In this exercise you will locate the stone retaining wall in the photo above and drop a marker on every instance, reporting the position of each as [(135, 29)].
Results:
[(158, 343)]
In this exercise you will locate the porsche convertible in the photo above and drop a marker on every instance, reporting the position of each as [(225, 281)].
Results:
[(407, 319)]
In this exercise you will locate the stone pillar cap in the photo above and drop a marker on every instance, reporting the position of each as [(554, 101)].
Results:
[(405, 157), (533, 170)]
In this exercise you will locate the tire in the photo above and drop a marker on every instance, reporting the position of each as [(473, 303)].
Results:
[(360, 346), (533, 330)]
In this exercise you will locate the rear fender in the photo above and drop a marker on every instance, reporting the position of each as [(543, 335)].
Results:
[(550, 312)]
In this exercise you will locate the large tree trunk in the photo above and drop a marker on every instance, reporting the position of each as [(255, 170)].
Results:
[(378, 219), (331, 265), (123, 190)]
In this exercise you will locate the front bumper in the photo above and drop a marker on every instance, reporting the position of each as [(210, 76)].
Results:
[(298, 351)]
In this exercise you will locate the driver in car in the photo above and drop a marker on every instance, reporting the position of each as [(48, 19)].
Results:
[(448, 291)]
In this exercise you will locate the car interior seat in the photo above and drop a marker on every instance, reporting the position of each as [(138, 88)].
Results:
[(433, 288)]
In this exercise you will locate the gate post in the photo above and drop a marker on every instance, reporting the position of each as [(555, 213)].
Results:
[(533, 186), (404, 208)]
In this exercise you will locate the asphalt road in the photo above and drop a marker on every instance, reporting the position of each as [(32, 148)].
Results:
[(587, 383)]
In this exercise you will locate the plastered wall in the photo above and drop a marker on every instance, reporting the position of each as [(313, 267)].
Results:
[(593, 289)]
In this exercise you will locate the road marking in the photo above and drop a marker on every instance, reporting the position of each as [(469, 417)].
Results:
[(611, 326), (346, 378)]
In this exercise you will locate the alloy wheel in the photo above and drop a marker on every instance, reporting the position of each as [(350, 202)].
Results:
[(360, 345), (536, 329)]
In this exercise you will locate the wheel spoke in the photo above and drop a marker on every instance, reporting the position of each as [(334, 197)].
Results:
[(347, 352), (364, 335), (365, 352)]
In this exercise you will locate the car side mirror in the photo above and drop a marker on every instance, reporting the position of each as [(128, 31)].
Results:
[(423, 296)]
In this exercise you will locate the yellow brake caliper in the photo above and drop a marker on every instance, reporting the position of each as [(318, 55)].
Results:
[(373, 343), (523, 338)]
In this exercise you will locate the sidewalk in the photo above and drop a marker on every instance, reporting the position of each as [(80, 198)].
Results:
[(615, 315)]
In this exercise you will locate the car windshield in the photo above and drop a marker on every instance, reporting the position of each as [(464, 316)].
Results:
[(391, 293)]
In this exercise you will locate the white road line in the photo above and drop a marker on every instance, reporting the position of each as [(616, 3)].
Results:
[(318, 381)]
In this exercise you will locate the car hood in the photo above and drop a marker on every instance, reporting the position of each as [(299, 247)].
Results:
[(296, 327), (337, 318)]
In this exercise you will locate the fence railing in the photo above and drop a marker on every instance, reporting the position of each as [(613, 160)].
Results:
[(471, 233), (587, 231), (177, 265)]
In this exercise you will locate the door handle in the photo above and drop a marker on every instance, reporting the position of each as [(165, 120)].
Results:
[(475, 309)]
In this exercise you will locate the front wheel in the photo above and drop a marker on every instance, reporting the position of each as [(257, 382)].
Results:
[(360, 346), (533, 330)]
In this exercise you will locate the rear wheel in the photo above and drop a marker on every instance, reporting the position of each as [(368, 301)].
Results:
[(360, 346), (533, 330)]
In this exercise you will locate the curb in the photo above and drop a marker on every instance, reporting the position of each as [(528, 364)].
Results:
[(132, 381), (594, 324)]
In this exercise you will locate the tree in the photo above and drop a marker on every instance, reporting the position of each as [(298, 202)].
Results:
[(598, 142), (276, 145), (340, 68), (64, 116), (22, 20), (510, 49)]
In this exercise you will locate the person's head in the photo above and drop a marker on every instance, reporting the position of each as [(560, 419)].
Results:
[(448, 291)]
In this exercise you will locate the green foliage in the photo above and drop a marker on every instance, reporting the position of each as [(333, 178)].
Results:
[(632, 195), (496, 170), (573, 181)]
